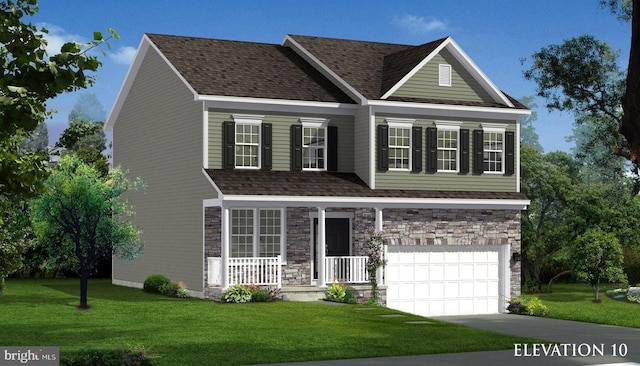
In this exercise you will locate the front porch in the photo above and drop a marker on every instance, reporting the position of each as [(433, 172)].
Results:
[(269, 271)]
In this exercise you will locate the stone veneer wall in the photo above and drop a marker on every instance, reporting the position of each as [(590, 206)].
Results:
[(298, 268), (401, 227), (456, 227), (212, 235)]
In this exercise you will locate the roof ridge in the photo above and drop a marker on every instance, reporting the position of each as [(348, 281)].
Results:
[(352, 40), (211, 39)]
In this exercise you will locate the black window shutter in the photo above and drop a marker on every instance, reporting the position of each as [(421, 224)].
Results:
[(478, 152), (228, 145), (383, 148), (510, 150), (464, 151), (432, 149), (266, 146), (416, 149), (296, 147), (332, 148)]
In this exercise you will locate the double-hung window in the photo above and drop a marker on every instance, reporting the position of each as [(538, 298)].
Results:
[(247, 141), (448, 146), (399, 144), (493, 148), (257, 232), (314, 143)]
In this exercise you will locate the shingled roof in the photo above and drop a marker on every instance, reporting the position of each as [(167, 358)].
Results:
[(249, 69), (361, 64), (246, 69), (326, 184)]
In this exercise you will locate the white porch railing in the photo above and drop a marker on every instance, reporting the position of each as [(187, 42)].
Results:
[(346, 269), (248, 271)]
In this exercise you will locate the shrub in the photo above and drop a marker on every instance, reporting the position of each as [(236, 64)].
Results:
[(183, 293), (169, 289), (349, 297), (537, 308), (337, 292), (532, 306), (274, 293), (154, 282), (260, 295), (373, 302), (131, 356), (237, 294)]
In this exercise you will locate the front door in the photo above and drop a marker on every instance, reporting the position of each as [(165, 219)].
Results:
[(338, 239)]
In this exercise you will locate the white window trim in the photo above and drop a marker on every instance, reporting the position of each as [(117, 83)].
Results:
[(451, 126), (405, 123), (256, 230), (496, 128), (316, 123), (442, 68), (255, 120)]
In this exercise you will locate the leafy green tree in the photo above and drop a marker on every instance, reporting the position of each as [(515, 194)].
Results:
[(528, 135), (87, 141), (38, 140), (597, 256), (87, 109), (581, 75), (85, 135), (546, 182), (30, 77), (82, 218)]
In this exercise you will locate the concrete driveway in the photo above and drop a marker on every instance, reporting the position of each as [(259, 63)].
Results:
[(574, 343)]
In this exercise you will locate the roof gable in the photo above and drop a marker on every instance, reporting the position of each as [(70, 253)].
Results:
[(471, 75)]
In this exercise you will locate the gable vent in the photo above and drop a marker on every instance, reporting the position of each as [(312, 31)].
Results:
[(444, 78)]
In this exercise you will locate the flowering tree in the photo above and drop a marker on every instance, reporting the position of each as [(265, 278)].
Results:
[(373, 251)]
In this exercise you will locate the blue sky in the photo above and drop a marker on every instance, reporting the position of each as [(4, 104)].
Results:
[(496, 34)]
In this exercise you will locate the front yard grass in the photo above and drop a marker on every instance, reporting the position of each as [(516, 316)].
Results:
[(573, 302), (36, 312)]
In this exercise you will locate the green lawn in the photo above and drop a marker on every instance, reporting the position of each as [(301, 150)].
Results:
[(197, 332), (573, 302)]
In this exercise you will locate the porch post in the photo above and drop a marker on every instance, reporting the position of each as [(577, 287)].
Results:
[(321, 246), (378, 219), (225, 247), (381, 272)]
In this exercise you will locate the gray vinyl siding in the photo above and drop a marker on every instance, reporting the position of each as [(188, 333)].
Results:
[(281, 124), (158, 136), (361, 145), (446, 181), (424, 84)]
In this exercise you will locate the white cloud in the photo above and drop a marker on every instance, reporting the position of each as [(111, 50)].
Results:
[(417, 24), (124, 55), (57, 37)]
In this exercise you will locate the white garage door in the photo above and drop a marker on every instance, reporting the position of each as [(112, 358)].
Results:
[(443, 280)]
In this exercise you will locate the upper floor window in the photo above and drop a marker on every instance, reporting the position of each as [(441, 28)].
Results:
[(399, 143), (247, 145), (399, 147), (448, 146), (493, 149), (314, 144), (444, 75)]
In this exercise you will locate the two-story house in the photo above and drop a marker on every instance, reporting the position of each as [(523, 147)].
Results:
[(268, 164)]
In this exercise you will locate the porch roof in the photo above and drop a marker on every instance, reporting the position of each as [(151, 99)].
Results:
[(328, 184)]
